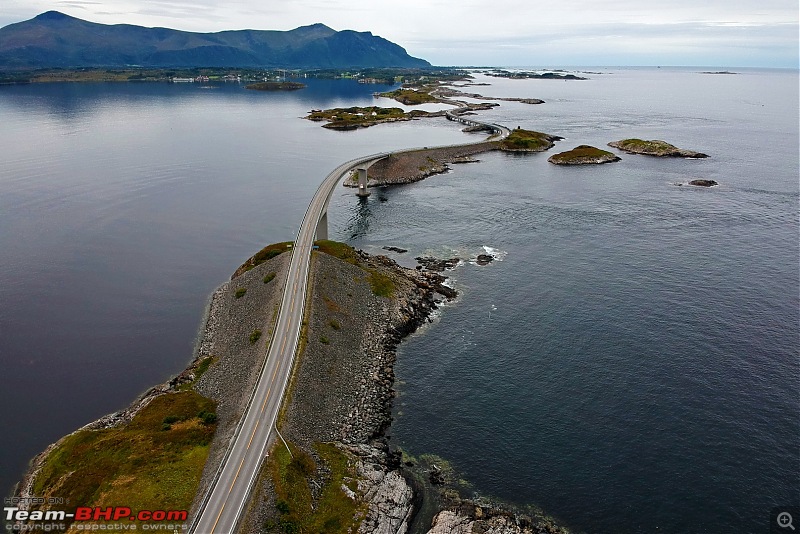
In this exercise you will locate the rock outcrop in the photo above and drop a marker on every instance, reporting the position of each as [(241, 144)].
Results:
[(583, 155), (703, 183), (657, 148)]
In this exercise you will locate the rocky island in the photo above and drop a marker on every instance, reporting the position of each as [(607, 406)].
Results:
[(583, 155), (523, 75), (363, 117), (703, 183), (528, 141), (657, 148)]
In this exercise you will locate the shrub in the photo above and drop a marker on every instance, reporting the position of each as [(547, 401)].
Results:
[(255, 336), (335, 324), (208, 418), (240, 292), (269, 278)]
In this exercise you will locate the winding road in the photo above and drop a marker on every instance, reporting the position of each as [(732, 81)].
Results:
[(225, 501)]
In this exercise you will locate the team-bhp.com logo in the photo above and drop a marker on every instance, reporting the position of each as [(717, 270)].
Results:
[(87, 518)]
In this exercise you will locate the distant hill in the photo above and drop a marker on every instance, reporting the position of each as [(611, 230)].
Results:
[(54, 39)]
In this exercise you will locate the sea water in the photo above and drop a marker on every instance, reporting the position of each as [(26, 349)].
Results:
[(629, 366)]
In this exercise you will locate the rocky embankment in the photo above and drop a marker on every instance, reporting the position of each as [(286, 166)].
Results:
[(230, 322), (350, 340), (409, 167), (342, 393)]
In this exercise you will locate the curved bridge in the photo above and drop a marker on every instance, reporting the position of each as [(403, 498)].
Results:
[(227, 497)]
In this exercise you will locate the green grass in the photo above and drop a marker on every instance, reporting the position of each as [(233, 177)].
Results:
[(579, 153), (338, 250), (142, 465), (266, 253), (649, 146), (240, 292), (255, 335), (204, 365), (358, 116), (332, 511), (410, 97), (381, 284), (526, 140), (269, 278)]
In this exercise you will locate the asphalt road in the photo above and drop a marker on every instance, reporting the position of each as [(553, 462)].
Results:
[(228, 496)]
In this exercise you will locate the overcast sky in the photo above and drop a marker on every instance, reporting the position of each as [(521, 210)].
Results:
[(735, 33)]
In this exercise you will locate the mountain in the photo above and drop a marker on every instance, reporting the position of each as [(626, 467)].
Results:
[(54, 39)]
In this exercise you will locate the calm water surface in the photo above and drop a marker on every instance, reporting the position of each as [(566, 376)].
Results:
[(631, 365)]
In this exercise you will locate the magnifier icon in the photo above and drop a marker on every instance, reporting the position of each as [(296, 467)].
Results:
[(785, 520)]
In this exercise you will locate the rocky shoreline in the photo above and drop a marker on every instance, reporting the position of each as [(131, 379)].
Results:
[(351, 338)]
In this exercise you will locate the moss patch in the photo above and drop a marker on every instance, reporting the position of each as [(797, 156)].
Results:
[(410, 97), (654, 147), (266, 253), (310, 497), (528, 141), (381, 284), (361, 117), (338, 250), (142, 465), (582, 155)]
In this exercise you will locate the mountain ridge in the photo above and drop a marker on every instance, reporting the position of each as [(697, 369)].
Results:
[(54, 39)]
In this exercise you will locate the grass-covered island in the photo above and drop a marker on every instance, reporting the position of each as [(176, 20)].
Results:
[(411, 97), (276, 86), (655, 147), (528, 141), (363, 117), (583, 155)]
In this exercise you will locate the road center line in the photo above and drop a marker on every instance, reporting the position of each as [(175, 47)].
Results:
[(254, 430), (218, 516), (236, 475)]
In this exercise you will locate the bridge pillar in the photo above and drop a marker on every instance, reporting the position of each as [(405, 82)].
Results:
[(362, 183), (322, 227)]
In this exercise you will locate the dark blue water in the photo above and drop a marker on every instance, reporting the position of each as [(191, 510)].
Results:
[(631, 365), (122, 207)]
